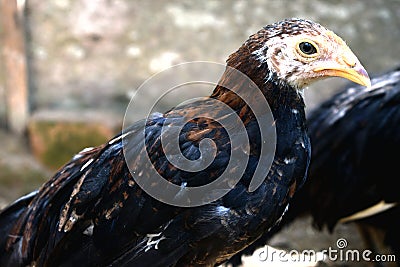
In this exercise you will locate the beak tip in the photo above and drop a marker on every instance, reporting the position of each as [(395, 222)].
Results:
[(364, 78), (364, 81)]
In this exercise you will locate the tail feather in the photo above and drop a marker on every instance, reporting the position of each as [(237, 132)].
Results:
[(8, 218)]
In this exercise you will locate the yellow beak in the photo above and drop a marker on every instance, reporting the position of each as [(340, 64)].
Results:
[(356, 74), (347, 66)]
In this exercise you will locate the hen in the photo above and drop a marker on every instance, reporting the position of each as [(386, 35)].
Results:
[(93, 212)]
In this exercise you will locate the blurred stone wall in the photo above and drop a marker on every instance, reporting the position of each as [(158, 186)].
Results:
[(89, 54), (2, 101), (94, 54), (2, 91)]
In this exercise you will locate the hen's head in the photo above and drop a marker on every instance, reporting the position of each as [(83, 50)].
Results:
[(299, 52)]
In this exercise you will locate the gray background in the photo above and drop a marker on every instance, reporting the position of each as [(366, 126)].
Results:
[(92, 55)]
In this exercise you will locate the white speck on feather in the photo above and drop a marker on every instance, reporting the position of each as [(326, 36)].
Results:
[(301, 142), (289, 160), (221, 210), (79, 155), (89, 231), (87, 149), (151, 242), (118, 138), (340, 113), (286, 209), (86, 164), (260, 54)]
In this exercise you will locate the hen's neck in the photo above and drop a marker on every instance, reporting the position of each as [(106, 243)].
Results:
[(244, 67)]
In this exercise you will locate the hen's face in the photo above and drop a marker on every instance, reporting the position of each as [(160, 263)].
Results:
[(301, 52)]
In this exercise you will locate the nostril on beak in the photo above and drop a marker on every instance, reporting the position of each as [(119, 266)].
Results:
[(351, 64), (350, 61)]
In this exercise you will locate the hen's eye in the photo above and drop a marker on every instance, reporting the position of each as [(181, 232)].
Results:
[(307, 48)]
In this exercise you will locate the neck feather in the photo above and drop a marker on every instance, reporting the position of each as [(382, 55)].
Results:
[(279, 94)]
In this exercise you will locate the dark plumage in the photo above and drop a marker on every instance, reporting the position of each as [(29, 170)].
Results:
[(355, 136), (93, 213)]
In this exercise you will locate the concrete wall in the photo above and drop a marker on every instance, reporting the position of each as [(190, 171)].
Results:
[(2, 91), (93, 54)]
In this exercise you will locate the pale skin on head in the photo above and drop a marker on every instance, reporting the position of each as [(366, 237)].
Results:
[(303, 58)]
